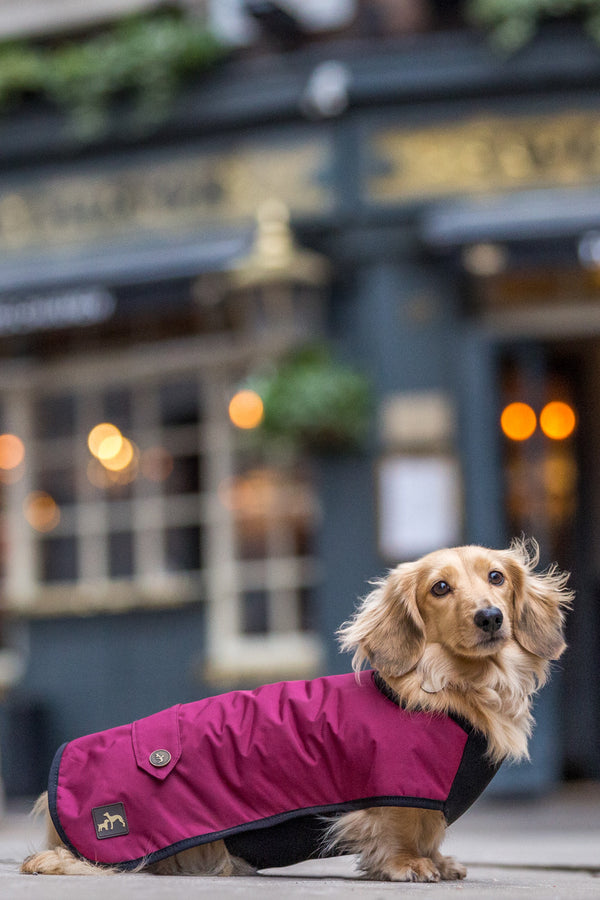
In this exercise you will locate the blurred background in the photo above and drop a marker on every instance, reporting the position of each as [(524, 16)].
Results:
[(290, 292)]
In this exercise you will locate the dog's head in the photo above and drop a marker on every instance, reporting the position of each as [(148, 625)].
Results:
[(471, 600)]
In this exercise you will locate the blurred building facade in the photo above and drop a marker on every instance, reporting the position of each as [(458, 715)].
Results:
[(453, 195)]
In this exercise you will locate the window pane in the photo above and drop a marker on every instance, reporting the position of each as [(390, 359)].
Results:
[(59, 559), (120, 554), (55, 416), (117, 408), (308, 609), (251, 539), (183, 549), (179, 403), (60, 484), (185, 477), (255, 618)]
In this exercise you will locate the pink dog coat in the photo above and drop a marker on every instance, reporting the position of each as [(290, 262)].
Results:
[(259, 769)]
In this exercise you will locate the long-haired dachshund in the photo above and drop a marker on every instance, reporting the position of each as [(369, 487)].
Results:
[(458, 642)]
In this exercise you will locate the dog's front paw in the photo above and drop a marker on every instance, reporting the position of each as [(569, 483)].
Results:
[(449, 868)]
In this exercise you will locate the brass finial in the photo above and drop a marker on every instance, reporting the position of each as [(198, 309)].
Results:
[(275, 256)]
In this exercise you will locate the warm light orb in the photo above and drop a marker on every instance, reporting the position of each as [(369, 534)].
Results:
[(99, 434), (557, 420), (41, 511), (12, 451), (518, 421), (121, 459), (246, 409), (110, 447)]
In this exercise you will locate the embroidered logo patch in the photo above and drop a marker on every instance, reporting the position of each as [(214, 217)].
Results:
[(110, 821)]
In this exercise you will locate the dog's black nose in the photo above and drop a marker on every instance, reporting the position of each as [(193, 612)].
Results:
[(489, 620)]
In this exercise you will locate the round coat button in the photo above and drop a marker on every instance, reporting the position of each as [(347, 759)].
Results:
[(160, 758)]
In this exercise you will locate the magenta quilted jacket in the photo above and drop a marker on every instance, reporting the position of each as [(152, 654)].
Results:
[(259, 769)]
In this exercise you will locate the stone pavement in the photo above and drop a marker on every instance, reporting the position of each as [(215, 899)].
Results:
[(549, 847)]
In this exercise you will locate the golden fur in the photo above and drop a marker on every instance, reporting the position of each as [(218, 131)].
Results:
[(419, 628)]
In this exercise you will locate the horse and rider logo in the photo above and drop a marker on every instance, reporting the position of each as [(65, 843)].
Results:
[(110, 821)]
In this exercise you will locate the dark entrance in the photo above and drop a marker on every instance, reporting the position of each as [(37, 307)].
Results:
[(541, 344)]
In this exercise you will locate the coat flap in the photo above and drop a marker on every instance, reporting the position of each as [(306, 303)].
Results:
[(157, 742)]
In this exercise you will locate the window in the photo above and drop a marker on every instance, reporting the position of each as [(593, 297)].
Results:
[(166, 505)]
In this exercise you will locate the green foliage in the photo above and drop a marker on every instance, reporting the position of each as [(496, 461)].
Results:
[(144, 59), (514, 22), (314, 403)]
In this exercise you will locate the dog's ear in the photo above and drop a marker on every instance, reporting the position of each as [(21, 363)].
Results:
[(387, 630), (540, 601)]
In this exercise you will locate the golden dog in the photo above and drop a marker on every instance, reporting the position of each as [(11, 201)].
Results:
[(465, 631)]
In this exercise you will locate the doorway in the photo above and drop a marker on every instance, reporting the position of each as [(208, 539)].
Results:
[(538, 338)]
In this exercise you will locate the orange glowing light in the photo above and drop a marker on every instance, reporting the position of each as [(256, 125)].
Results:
[(41, 511), (105, 431), (558, 420), (120, 460), (518, 421), (246, 409), (12, 451), (110, 447)]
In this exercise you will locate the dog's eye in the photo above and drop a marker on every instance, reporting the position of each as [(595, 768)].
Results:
[(496, 578), (441, 588)]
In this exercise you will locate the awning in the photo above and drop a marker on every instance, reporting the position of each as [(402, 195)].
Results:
[(126, 263), (522, 216)]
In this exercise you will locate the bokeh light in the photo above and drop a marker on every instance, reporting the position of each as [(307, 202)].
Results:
[(116, 457), (41, 511), (120, 460), (558, 420), (246, 409), (156, 464), (12, 451), (105, 431), (518, 421), (110, 447), (104, 478)]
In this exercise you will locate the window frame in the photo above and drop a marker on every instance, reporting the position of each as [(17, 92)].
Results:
[(221, 582)]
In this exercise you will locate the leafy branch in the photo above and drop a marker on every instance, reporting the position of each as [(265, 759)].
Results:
[(144, 58), (313, 402), (513, 23)]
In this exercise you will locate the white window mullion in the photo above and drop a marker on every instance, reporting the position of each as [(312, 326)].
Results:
[(283, 609), (149, 518), (224, 621), (21, 557), (92, 517)]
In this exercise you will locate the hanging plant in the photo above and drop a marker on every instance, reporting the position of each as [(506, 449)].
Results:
[(144, 58), (512, 23), (314, 403)]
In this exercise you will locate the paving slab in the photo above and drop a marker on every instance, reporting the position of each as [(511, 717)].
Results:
[(547, 847), (560, 829), (322, 881)]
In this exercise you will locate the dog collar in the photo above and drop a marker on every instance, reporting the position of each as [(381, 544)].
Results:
[(391, 694), (388, 691)]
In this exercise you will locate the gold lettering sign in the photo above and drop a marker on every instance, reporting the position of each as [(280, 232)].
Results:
[(485, 154), (163, 196)]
